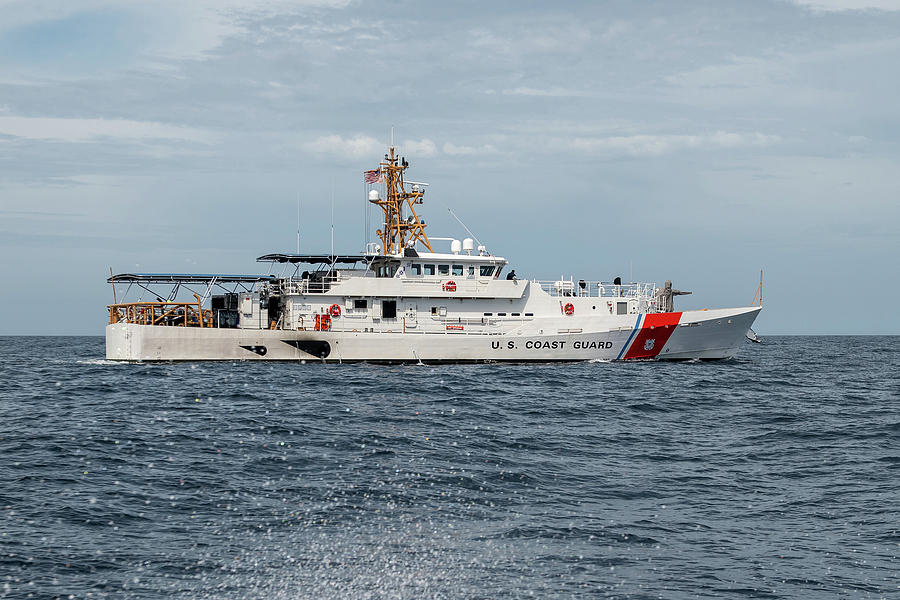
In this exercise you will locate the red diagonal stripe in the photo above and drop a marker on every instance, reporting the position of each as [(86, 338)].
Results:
[(657, 327)]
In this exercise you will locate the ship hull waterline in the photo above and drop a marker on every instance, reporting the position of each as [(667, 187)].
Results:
[(703, 335)]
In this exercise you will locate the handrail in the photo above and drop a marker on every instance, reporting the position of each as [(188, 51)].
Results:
[(596, 289), (319, 285), (172, 314)]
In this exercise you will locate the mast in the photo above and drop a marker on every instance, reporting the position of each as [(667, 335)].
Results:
[(400, 230)]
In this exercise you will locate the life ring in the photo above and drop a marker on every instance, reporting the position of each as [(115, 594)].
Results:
[(569, 309), (450, 286), (335, 310)]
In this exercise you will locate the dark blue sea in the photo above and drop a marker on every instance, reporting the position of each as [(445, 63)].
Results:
[(774, 475)]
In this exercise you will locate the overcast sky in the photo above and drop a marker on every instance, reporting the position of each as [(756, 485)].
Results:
[(693, 141)]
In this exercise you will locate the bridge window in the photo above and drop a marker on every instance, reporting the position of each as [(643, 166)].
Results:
[(443, 269), (486, 270), (429, 269), (458, 270), (415, 269)]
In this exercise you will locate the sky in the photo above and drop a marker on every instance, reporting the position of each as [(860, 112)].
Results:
[(697, 141)]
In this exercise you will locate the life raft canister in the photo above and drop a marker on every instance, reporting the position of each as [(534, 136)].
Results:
[(450, 286), (569, 309), (335, 310)]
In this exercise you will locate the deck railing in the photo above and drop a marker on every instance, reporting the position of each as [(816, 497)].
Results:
[(175, 314), (312, 285), (604, 289)]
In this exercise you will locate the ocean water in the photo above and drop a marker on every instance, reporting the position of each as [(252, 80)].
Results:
[(774, 475)]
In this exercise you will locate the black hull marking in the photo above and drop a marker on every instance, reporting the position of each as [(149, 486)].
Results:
[(316, 348), (261, 350)]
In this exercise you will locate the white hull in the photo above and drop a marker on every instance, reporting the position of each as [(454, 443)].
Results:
[(707, 334)]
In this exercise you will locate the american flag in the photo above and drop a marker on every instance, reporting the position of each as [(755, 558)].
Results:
[(373, 176)]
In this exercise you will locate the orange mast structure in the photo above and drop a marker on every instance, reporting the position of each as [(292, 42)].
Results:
[(399, 231)]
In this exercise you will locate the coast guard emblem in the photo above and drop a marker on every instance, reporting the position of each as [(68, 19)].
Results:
[(648, 345)]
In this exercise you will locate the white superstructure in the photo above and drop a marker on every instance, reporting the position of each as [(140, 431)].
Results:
[(401, 301)]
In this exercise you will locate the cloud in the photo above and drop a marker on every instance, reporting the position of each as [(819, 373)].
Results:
[(555, 92), (655, 145), (364, 146), (842, 5), (454, 150), (167, 29), (87, 130), (423, 147), (26, 12), (839, 74), (525, 36), (739, 72), (361, 146)]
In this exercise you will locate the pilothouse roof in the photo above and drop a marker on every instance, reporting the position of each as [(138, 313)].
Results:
[(458, 258), (327, 259)]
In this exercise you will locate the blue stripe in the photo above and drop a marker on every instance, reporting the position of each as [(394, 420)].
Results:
[(637, 325)]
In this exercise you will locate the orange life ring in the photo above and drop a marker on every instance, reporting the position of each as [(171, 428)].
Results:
[(335, 310), (450, 286), (569, 309)]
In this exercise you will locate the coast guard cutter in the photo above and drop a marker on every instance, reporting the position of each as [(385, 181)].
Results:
[(403, 301)]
